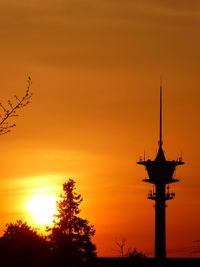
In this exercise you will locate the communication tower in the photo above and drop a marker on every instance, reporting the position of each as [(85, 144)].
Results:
[(160, 174)]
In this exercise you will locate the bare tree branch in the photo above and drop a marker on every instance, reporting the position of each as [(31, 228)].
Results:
[(11, 109), (121, 245)]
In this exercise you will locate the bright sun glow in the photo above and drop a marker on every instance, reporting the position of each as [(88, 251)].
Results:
[(42, 208)]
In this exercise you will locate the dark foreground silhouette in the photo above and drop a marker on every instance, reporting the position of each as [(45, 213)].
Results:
[(52, 261), (67, 243), (147, 262)]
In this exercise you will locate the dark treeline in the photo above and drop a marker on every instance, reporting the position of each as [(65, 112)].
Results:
[(67, 243)]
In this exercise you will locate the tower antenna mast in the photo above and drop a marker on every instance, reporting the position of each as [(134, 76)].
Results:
[(160, 175), (160, 140)]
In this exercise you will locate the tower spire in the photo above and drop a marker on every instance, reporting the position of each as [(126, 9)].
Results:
[(160, 139), (160, 175)]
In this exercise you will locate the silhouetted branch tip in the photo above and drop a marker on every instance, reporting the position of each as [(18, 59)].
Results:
[(12, 107)]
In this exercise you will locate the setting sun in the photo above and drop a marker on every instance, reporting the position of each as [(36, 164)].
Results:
[(42, 208)]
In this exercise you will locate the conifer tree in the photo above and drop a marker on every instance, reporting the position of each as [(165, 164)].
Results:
[(71, 235)]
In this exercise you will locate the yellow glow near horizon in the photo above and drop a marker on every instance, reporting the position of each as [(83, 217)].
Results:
[(42, 208)]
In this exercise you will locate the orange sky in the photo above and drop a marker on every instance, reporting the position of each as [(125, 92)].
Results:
[(95, 67)]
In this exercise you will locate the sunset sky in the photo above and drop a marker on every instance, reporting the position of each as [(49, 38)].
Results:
[(95, 67)]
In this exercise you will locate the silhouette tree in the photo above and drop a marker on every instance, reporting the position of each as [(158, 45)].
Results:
[(11, 109), (134, 253), (71, 235), (21, 245), (130, 253), (121, 244)]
